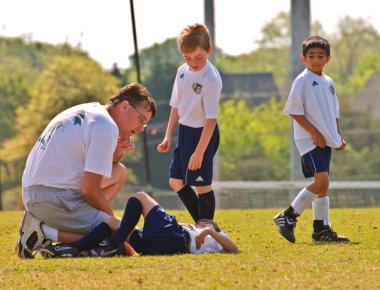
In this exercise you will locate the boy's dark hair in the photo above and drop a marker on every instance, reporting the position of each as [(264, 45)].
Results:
[(208, 221), (315, 41), (136, 94), (193, 36)]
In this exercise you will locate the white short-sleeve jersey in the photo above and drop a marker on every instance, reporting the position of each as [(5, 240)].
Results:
[(209, 245), (196, 95), (314, 97), (81, 138)]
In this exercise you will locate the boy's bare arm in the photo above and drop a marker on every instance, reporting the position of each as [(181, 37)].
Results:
[(318, 138), (165, 145), (226, 243), (344, 144), (93, 192), (196, 158)]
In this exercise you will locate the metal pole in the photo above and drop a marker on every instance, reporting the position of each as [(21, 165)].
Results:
[(137, 64), (210, 23), (300, 30)]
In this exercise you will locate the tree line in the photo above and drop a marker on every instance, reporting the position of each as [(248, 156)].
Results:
[(38, 80)]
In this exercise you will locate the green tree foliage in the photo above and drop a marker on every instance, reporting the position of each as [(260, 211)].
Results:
[(355, 41), (21, 63), (67, 81), (13, 92), (254, 141)]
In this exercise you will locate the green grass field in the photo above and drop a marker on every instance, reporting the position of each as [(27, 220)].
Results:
[(266, 260)]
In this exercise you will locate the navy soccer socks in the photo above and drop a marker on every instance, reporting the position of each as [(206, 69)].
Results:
[(92, 239), (131, 217), (190, 200), (206, 203)]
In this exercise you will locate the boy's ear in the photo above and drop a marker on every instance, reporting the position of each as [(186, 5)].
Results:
[(302, 58), (209, 50)]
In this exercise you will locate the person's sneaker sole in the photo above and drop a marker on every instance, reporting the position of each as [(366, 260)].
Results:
[(31, 236), (283, 230), (47, 254)]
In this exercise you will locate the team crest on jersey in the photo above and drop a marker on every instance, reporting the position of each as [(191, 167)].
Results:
[(182, 75), (197, 88), (332, 90)]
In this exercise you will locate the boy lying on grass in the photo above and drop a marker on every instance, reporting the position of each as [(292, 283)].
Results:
[(160, 235)]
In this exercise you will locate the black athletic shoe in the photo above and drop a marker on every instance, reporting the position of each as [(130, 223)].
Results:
[(107, 251), (58, 251), (328, 236), (286, 226), (31, 237)]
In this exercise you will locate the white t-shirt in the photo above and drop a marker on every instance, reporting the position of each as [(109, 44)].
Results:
[(314, 97), (196, 95), (81, 138), (210, 245)]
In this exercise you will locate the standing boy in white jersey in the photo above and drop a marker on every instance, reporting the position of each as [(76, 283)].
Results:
[(195, 103), (314, 107)]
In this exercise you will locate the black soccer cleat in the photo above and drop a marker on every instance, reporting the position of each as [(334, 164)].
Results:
[(329, 235), (286, 225), (106, 251), (58, 251)]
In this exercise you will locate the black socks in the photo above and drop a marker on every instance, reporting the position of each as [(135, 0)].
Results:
[(93, 238), (206, 205), (190, 200), (200, 206), (320, 225), (290, 212), (131, 217)]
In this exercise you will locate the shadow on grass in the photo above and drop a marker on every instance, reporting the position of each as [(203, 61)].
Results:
[(335, 243)]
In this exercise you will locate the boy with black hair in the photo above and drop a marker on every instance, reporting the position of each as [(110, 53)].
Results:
[(314, 107)]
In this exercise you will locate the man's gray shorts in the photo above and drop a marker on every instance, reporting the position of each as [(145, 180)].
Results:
[(63, 209)]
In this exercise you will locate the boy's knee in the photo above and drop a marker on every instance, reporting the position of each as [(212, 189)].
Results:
[(322, 189), (140, 195), (176, 184)]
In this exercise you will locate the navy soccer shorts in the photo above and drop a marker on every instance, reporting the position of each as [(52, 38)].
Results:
[(161, 235), (317, 160), (188, 139)]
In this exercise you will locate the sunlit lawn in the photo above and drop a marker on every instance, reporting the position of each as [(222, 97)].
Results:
[(266, 260)]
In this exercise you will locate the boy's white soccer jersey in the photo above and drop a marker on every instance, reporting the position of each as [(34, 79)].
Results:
[(82, 138), (209, 245), (314, 97), (196, 95)]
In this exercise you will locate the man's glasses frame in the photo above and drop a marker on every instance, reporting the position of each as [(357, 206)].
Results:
[(143, 120)]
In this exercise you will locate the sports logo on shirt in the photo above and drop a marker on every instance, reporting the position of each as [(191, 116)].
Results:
[(332, 90), (79, 117), (314, 83), (182, 75), (197, 88)]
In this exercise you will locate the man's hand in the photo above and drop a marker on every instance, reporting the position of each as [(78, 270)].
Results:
[(123, 145)]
